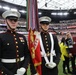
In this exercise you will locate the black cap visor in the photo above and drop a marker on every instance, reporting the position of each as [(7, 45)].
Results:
[(12, 18), (44, 22)]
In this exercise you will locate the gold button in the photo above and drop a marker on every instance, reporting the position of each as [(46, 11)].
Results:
[(16, 42), (21, 40), (46, 42), (15, 38), (16, 46), (47, 54), (14, 35), (45, 36), (47, 45), (17, 55), (17, 59), (7, 43), (17, 51), (47, 48)]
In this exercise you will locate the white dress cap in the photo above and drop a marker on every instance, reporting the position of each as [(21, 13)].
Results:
[(45, 18), (11, 13)]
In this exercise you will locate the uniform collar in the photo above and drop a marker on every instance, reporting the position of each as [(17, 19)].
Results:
[(44, 32), (10, 31)]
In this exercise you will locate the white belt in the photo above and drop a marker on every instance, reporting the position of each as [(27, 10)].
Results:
[(11, 60)]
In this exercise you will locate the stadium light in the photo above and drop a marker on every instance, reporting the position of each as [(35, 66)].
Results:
[(53, 13), (14, 9), (65, 13), (6, 8), (0, 6), (39, 13), (60, 13), (22, 11)]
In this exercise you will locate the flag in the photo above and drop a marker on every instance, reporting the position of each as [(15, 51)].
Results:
[(33, 41), (32, 15)]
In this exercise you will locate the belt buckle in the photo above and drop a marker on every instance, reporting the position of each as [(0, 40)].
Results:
[(47, 54), (18, 59), (47, 65)]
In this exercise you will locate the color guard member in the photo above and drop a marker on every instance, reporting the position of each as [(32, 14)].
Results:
[(14, 53), (50, 50)]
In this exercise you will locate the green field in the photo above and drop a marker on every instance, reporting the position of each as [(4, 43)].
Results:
[(59, 68)]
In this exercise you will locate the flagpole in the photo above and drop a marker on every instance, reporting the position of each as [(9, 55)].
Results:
[(33, 25)]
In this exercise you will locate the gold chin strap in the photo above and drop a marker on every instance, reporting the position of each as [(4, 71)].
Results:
[(44, 30), (10, 27)]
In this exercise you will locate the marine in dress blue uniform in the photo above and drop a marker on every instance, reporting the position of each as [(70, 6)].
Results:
[(14, 53), (48, 69)]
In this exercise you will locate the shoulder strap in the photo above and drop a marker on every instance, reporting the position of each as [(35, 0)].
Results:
[(52, 47)]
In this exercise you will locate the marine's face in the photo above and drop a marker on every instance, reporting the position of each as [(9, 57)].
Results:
[(12, 23), (45, 27)]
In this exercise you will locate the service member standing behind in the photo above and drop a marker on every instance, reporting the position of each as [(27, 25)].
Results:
[(14, 53), (50, 50)]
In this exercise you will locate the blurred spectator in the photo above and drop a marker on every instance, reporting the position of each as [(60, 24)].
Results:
[(64, 56), (72, 52)]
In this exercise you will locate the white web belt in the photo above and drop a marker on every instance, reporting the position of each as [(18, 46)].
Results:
[(11, 60)]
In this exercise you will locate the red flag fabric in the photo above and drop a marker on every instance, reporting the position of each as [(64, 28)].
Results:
[(33, 41), (37, 55), (34, 46)]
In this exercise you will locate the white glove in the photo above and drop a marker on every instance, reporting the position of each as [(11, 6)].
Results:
[(42, 54), (21, 71), (52, 65), (36, 74), (16, 74)]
